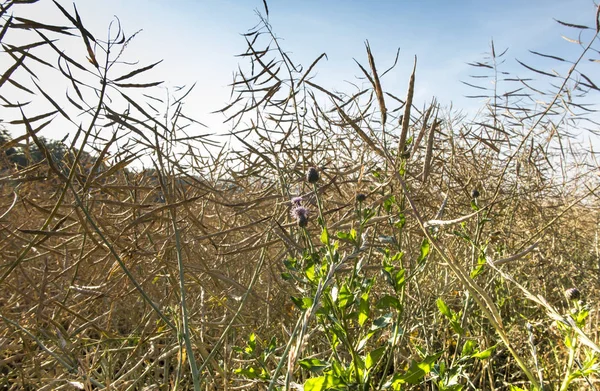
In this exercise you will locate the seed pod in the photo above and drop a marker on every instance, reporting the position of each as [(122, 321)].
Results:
[(361, 197), (474, 193), (429, 150)]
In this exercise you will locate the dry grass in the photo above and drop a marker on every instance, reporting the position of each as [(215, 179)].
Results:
[(108, 272)]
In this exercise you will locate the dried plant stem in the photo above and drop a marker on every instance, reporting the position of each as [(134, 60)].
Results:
[(244, 298), (160, 169), (69, 180), (60, 360), (483, 300), (121, 263)]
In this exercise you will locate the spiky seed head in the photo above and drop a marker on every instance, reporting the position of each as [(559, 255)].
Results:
[(474, 193), (300, 214), (572, 294), (312, 175), (361, 197)]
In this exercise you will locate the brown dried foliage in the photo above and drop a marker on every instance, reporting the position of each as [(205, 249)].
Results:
[(89, 246)]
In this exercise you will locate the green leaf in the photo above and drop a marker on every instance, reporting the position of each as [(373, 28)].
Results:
[(481, 262), (343, 235), (468, 347), (400, 221), (322, 383), (272, 346), (363, 309), (332, 381), (395, 278), (444, 309), (382, 321), (484, 354), (363, 342), (249, 373), (347, 236), (569, 342), (310, 272), (338, 330), (388, 301), (388, 272), (581, 316), (345, 297), (286, 276), (336, 369), (373, 357), (325, 236), (397, 257), (399, 279), (313, 364), (291, 263), (425, 249), (378, 324), (303, 303), (416, 372), (251, 345), (315, 384), (388, 203), (455, 324), (353, 234)]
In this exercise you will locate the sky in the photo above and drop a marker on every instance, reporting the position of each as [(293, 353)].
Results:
[(198, 40)]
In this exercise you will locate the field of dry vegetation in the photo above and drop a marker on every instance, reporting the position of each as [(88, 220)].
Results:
[(341, 240)]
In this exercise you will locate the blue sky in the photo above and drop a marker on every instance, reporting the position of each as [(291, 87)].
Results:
[(198, 39)]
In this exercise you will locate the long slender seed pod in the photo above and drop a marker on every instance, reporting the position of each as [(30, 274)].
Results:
[(429, 152), (423, 127), (377, 85), (406, 117)]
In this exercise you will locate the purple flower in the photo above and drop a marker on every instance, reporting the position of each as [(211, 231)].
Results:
[(296, 201), (300, 214)]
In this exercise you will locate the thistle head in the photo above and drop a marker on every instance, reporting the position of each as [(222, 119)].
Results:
[(312, 175), (361, 197), (572, 294), (300, 214), (474, 193)]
